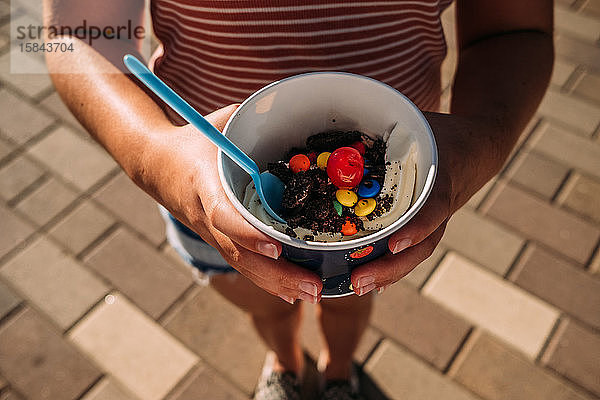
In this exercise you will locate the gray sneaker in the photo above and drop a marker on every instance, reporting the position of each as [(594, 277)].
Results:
[(277, 385), (340, 390)]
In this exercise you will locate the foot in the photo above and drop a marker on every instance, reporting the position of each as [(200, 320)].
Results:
[(340, 390), (275, 384)]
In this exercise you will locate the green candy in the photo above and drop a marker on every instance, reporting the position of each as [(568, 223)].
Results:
[(338, 207)]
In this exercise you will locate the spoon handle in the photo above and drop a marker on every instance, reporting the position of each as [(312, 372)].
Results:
[(187, 112)]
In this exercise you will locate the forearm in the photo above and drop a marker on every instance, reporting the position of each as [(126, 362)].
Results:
[(499, 83), (113, 109)]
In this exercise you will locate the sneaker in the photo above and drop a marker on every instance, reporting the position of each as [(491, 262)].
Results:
[(277, 385), (340, 390)]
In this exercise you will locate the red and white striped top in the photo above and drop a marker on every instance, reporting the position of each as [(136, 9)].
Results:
[(217, 52)]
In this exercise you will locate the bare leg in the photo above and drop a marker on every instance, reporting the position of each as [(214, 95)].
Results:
[(277, 322), (343, 322)]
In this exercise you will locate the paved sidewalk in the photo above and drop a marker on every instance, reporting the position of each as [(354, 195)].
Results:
[(94, 304)]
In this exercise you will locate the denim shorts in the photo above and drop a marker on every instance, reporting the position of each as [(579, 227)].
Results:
[(189, 245)]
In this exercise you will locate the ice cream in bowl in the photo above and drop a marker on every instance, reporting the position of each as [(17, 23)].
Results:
[(358, 160)]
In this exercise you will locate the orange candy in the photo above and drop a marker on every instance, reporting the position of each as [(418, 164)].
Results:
[(349, 229), (299, 163)]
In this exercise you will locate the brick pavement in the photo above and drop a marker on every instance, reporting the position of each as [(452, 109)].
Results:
[(94, 305)]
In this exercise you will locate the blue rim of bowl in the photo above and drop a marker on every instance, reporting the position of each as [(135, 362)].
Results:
[(346, 244)]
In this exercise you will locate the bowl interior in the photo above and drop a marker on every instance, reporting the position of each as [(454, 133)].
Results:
[(283, 114)]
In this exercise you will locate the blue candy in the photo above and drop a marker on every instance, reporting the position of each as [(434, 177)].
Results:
[(368, 188)]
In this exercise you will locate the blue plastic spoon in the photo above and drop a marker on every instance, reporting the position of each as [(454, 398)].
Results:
[(268, 186)]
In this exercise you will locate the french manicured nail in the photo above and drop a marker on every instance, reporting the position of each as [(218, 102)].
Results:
[(365, 289), (308, 298), (288, 299), (309, 288), (268, 249), (401, 245), (365, 280)]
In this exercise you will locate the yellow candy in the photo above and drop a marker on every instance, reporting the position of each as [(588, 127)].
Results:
[(346, 197), (364, 207), (322, 160)]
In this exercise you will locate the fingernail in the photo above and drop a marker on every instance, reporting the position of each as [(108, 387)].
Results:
[(308, 287), (364, 290), (268, 249), (308, 298), (365, 280), (288, 299), (401, 245), (382, 289)]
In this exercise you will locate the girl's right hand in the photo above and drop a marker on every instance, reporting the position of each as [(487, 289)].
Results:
[(179, 170)]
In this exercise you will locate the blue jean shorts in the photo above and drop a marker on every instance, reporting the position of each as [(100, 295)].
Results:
[(195, 251)]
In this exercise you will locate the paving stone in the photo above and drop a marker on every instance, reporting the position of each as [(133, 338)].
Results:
[(5, 149), (536, 219), (574, 352), (8, 301), (588, 87), (578, 51), (592, 7), (496, 372), (82, 226), (400, 375), (577, 25), (482, 240), (419, 275), (132, 205), (19, 230), (560, 283), (595, 264), (137, 352), (54, 282), (55, 104), (75, 159), (208, 384), (579, 114), (567, 148), (24, 121), (492, 303), (563, 69), (478, 197), (47, 201), (582, 194), (39, 363), (220, 333), (106, 389), (29, 73), (538, 173), (10, 394), (16, 176), (416, 322), (139, 271)]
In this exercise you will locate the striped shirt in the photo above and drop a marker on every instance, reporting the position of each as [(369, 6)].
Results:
[(218, 52)]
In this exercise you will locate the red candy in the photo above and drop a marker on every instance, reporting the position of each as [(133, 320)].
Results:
[(345, 167), (359, 146), (299, 163)]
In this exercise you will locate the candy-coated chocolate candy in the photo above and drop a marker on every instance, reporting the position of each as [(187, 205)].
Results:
[(369, 188), (364, 207), (312, 156), (348, 229), (345, 167), (338, 207), (299, 162), (346, 197), (359, 146), (322, 160)]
